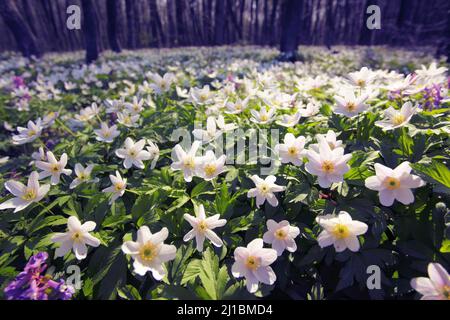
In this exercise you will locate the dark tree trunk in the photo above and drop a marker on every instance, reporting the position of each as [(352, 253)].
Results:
[(156, 21), (290, 20), (219, 23), (179, 14), (111, 8), (273, 15), (131, 39), (171, 36), (90, 30), (22, 33)]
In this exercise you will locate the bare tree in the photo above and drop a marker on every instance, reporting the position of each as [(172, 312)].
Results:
[(18, 26), (111, 7), (291, 11), (90, 30)]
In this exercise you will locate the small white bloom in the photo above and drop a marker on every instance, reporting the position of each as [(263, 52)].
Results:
[(202, 228), (394, 184), (253, 263), (265, 190), (264, 116), (29, 134), (83, 175), (348, 104), (161, 84), (292, 150), (117, 188), (49, 119), (209, 166), (281, 235), (186, 161), (202, 96), (88, 113), (76, 238), (224, 126), (237, 107), (53, 168), (153, 150), (149, 252), (328, 165), (362, 77), (133, 153), (211, 132), (397, 118), (436, 286), (38, 156), (106, 134), (330, 138), (310, 110), (136, 107), (127, 119), (24, 195), (289, 121), (340, 231)]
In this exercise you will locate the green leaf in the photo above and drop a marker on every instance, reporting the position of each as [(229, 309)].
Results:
[(214, 280), (435, 170)]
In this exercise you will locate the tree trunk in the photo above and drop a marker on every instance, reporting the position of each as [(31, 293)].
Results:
[(22, 33), (219, 22), (111, 8), (290, 19), (179, 14), (90, 30)]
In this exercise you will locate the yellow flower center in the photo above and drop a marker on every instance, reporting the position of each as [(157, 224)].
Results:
[(148, 252), (341, 231), (292, 151), (31, 133), (398, 119), (203, 97), (361, 83), (119, 186), (264, 117), (264, 188), (237, 107), (210, 169), (107, 134), (351, 106), (132, 153), (29, 194), (392, 183), (202, 226), (252, 263), (280, 234), (55, 168), (189, 163), (77, 237), (446, 292), (327, 166)]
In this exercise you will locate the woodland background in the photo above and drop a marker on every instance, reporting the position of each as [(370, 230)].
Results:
[(170, 23)]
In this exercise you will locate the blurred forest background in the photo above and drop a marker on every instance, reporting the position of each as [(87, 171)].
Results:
[(133, 24)]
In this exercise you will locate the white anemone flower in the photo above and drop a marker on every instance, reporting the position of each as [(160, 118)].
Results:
[(394, 184), (24, 194), (202, 96), (211, 132), (292, 150), (362, 78), (253, 263), (281, 235), (288, 121), (136, 107), (210, 167), (340, 231), (237, 107), (117, 188), (264, 190), (310, 110), (263, 116), (161, 84), (202, 228), (436, 286), (83, 175), (348, 104), (150, 252), (133, 153), (76, 238), (330, 137), (186, 161), (28, 134), (328, 165), (396, 118), (127, 119), (106, 134), (53, 168)]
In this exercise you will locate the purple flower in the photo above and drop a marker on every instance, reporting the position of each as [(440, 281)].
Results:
[(33, 284), (18, 82), (432, 97)]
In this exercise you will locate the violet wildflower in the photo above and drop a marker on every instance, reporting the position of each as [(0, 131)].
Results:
[(33, 284), (432, 97)]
